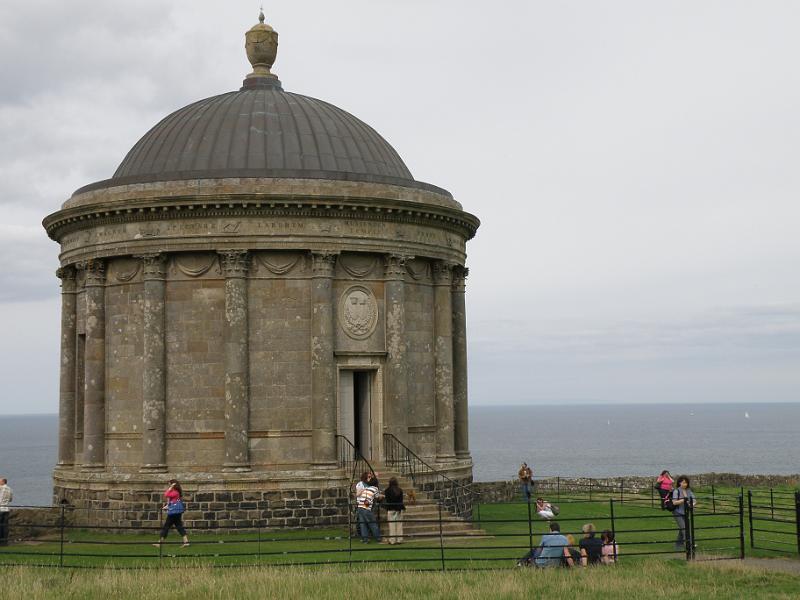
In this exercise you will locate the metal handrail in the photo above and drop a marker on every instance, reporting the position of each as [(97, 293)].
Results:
[(397, 454), (348, 455)]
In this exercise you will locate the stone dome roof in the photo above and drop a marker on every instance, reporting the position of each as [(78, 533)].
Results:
[(262, 132)]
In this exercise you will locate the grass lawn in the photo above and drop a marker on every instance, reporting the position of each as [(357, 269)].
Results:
[(641, 579), (640, 529)]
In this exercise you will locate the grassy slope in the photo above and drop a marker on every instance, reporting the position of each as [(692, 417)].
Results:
[(645, 580)]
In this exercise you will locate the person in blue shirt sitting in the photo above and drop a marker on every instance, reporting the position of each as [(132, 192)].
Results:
[(554, 549)]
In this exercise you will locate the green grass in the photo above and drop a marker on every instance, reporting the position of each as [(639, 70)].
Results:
[(640, 529), (647, 579)]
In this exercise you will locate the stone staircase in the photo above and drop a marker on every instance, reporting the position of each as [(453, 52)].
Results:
[(421, 519)]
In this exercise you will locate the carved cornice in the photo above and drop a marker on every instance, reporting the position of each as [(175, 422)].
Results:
[(322, 263), (255, 206), (95, 272), (460, 274), (442, 273), (68, 276), (396, 266), (154, 266), (235, 263)]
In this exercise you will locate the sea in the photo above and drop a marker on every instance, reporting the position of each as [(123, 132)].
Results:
[(596, 440)]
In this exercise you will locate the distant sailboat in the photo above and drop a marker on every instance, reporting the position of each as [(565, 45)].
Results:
[(609, 422), (746, 415)]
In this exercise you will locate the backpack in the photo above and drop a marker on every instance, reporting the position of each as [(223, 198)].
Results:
[(668, 503)]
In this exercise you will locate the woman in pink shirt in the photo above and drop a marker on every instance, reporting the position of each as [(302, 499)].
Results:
[(610, 549), (175, 509), (664, 483)]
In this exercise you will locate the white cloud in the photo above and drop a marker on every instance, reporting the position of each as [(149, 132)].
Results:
[(633, 167)]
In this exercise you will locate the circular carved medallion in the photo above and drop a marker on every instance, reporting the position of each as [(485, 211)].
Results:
[(358, 312)]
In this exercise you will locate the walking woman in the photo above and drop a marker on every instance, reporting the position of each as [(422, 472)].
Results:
[(682, 496), (175, 508), (393, 503), (664, 483)]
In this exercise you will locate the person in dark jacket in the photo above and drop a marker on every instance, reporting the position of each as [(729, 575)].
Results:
[(393, 503)]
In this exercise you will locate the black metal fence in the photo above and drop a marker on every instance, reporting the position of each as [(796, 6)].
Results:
[(774, 520), (437, 541)]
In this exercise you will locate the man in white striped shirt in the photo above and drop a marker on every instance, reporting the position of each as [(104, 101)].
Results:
[(6, 496), (367, 523)]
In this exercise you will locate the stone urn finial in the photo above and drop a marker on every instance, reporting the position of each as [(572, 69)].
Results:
[(261, 44)]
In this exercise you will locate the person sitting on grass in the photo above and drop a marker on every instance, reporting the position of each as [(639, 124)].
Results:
[(553, 551), (610, 549), (544, 509), (591, 546), (573, 550)]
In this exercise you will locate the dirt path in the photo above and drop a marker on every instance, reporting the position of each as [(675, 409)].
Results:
[(784, 565)]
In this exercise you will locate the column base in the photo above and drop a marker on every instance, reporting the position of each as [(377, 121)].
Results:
[(93, 467), (324, 466), (463, 455), (236, 468), (160, 468), (445, 458)]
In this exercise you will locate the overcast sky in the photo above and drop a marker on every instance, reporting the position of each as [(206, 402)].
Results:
[(634, 165)]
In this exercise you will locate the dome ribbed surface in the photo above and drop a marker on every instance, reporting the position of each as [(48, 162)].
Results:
[(261, 132)]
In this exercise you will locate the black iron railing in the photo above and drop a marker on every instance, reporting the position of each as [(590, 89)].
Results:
[(456, 497), (351, 460)]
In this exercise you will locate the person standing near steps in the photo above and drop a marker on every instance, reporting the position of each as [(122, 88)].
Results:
[(175, 508), (393, 503)]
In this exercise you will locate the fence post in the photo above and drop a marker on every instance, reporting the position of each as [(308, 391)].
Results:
[(61, 552), (160, 543), (613, 526), (590, 489), (750, 516), (771, 504), (713, 500), (621, 490), (349, 529), (259, 543), (558, 487), (690, 529), (441, 537), (741, 527), (530, 526), (797, 518), (652, 498)]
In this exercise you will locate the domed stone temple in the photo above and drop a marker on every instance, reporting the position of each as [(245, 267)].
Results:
[(260, 285)]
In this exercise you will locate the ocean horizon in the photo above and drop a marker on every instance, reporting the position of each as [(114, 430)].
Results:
[(570, 440)]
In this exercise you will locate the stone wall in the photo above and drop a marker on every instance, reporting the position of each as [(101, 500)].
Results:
[(506, 491), (212, 509)]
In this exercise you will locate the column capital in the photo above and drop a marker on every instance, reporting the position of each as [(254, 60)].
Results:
[(154, 265), (68, 275), (95, 271), (323, 262), (235, 263), (442, 272), (460, 274), (395, 265)]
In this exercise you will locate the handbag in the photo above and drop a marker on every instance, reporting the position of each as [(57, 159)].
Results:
[(175, 508)]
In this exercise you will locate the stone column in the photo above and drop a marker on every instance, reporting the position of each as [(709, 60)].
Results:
[(235, 264), (443, 355), (323, 365), (154, 406), (460, 404), (94, 400), (66, 396), (396, 344)]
